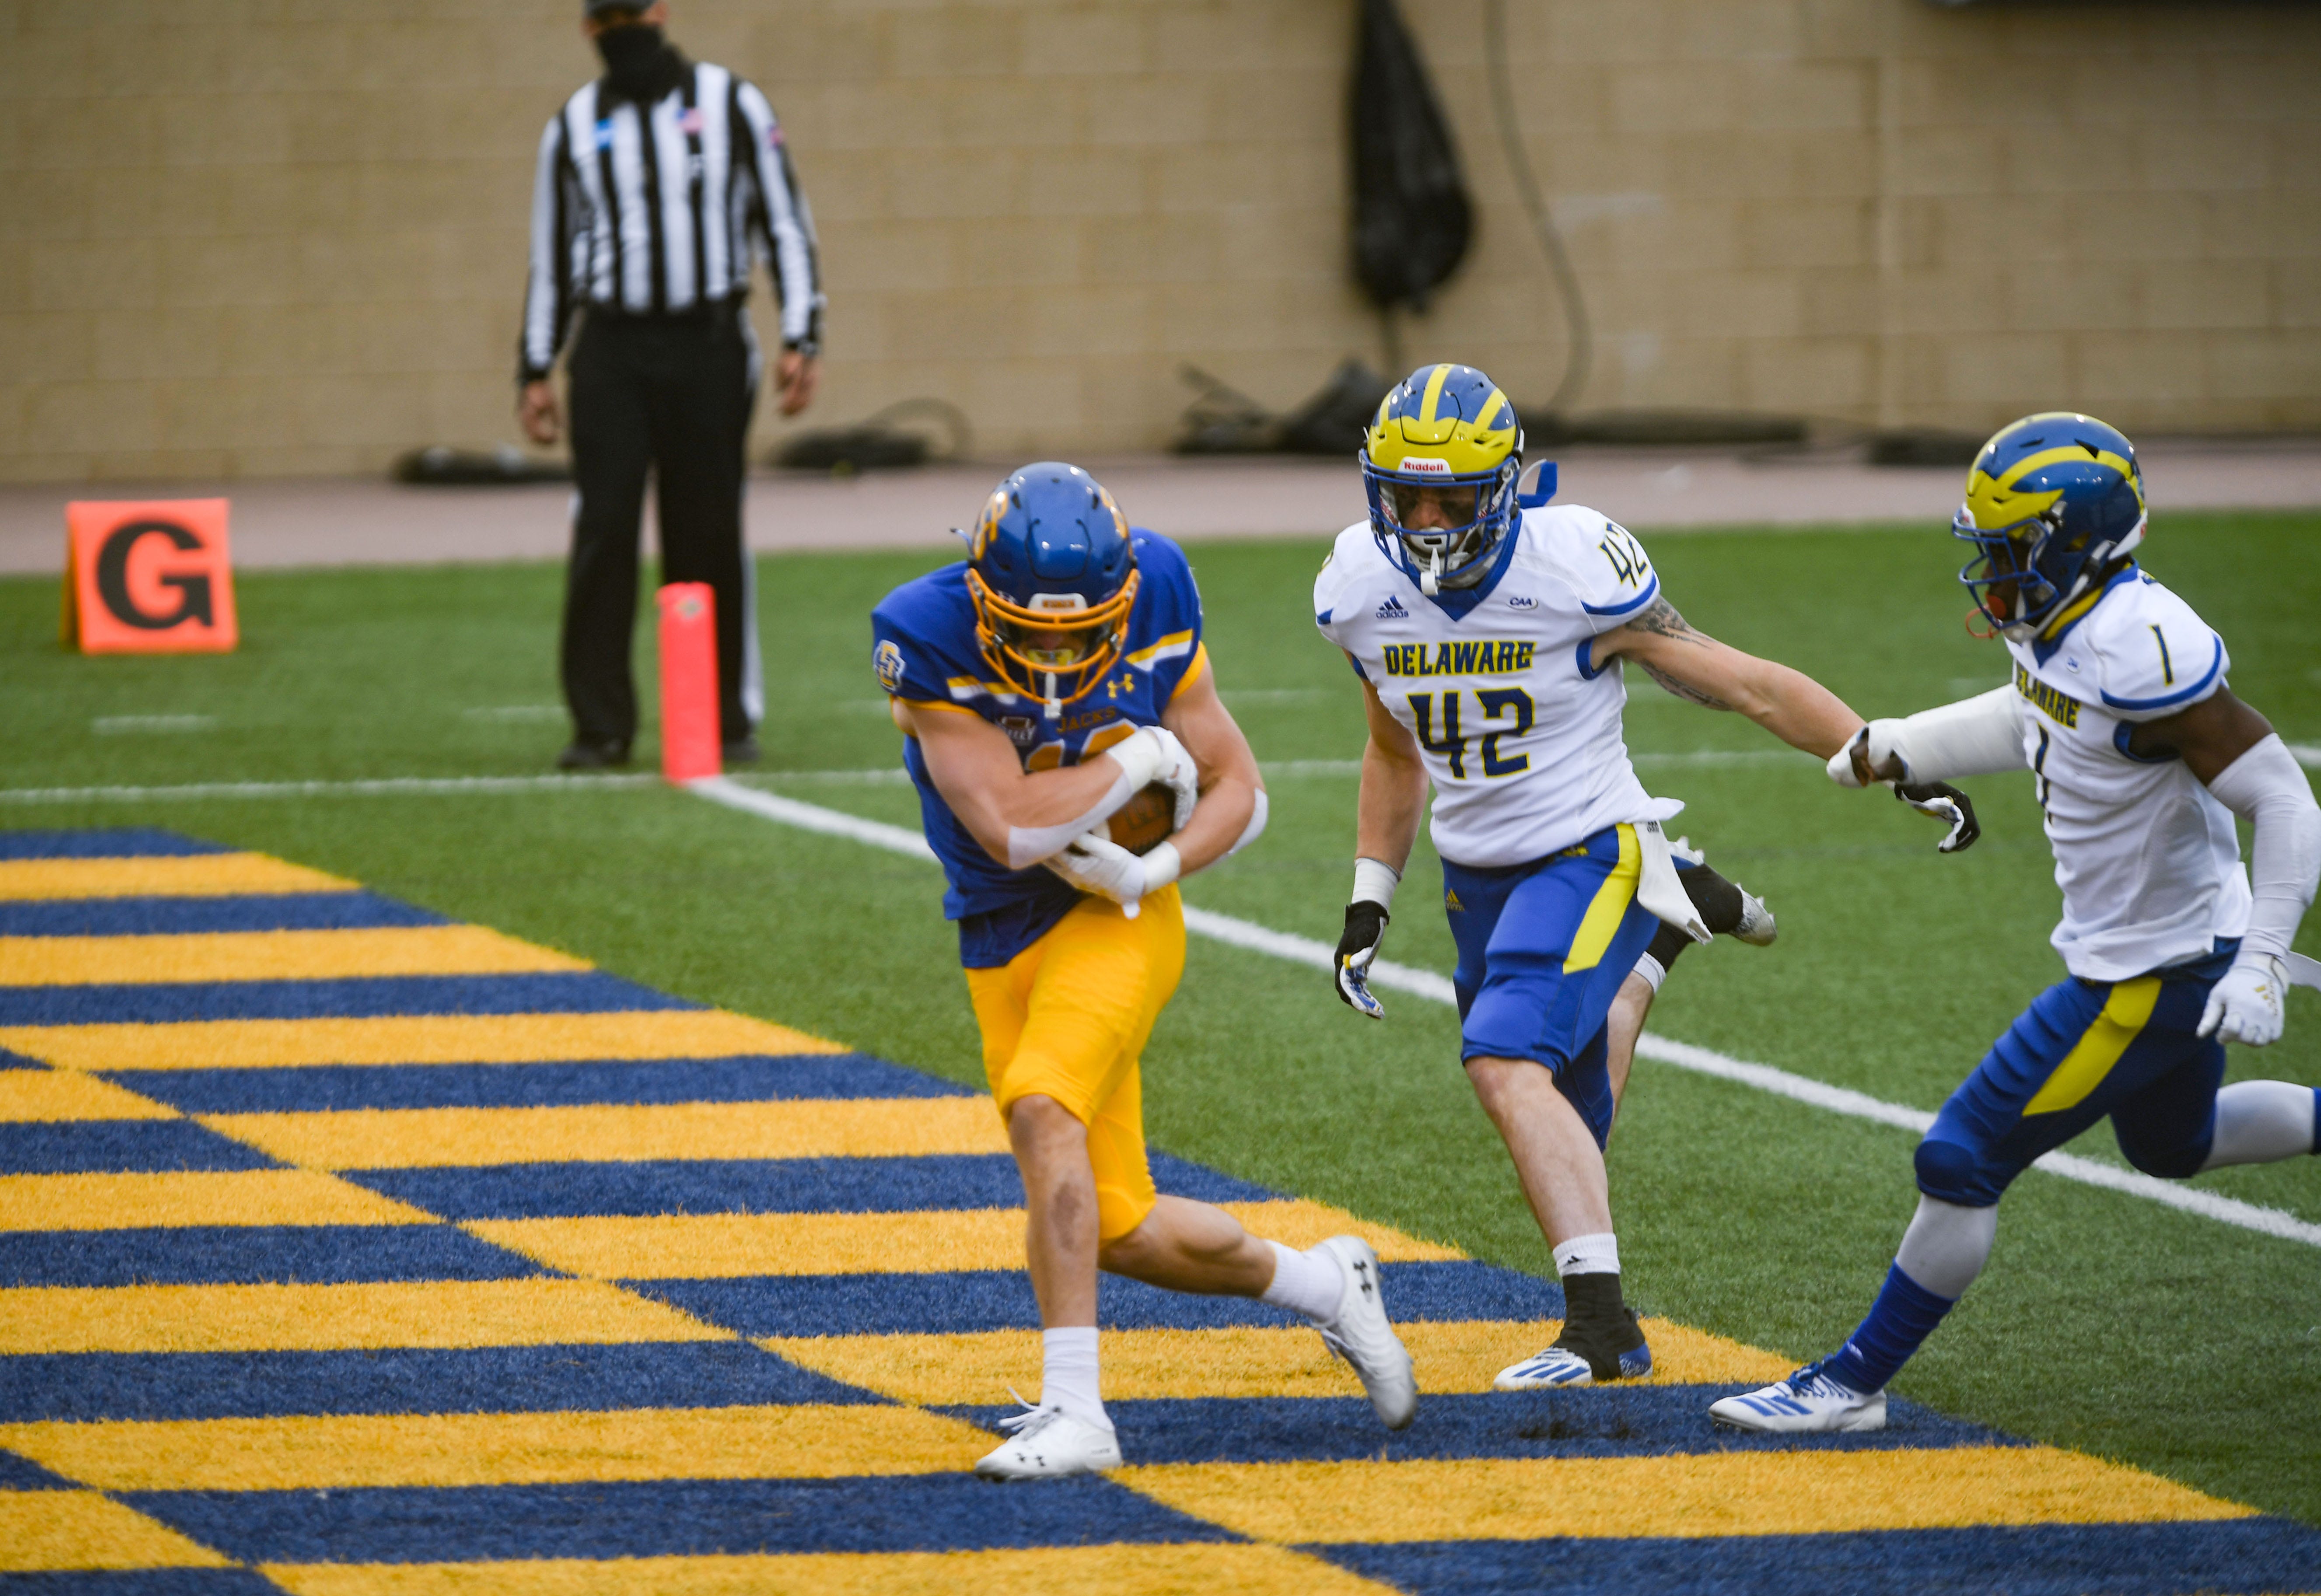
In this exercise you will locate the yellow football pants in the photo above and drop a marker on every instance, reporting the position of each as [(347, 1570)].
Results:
[(1066, 1019)]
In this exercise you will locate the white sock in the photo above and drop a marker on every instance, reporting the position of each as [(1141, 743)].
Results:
[(2260, 1121), (1068, 1376), (1947, 1245), (1652, 970), (1303, 1284), (1588, 1254)]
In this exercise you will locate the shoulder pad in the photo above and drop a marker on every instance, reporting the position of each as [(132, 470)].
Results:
[(1601, 562), (2153, 653)]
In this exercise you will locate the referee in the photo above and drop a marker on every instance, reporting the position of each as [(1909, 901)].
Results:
[(658, 185)]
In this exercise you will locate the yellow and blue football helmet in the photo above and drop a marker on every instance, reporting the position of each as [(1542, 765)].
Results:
[(1052, 572), (2054, 505), (1444, 452)]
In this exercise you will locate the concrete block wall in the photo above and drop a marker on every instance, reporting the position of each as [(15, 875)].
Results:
[(249, 237)]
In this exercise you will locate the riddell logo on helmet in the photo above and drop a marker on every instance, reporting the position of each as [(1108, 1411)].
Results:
[(1424, 465)]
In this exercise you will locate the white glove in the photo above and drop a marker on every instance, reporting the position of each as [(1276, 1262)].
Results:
[(2245, 1006), (1153, 755), (1097, 865)]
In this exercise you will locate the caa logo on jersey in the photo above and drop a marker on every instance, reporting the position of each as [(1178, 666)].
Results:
[(1514, 602), (888, 662)]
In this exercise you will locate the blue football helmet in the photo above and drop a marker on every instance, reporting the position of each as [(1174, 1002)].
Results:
[(2054, 505), (1051, 571), (1440, 463)]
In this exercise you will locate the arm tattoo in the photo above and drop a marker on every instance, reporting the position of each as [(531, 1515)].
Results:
[(1678, 689), (1661, 617)]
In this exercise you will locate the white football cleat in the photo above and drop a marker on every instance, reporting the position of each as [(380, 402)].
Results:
[(1756, 927), (1543, 1371), (1808, 1402), (1363, 1335), (1050, 1443)]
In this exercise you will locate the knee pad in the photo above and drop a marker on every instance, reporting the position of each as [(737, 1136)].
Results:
[(2179, 1162), (1953, 1172)]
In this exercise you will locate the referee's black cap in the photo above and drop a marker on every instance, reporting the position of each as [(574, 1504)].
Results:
[(596, 8)]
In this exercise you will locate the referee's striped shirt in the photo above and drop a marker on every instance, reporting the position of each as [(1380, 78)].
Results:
[(662, 210)]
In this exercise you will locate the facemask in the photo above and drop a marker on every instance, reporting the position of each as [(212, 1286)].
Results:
[(638, 64)]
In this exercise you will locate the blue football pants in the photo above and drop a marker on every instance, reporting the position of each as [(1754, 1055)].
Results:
[(1542, 949), (2083, 1050)]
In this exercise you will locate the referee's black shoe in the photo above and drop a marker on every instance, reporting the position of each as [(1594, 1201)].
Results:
[(582, 754), (742, 750)]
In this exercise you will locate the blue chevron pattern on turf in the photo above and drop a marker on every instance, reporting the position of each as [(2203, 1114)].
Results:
[(97, 1147), (310, 1088), (765, 1185), (233, 1254), (177, 917), (361, 998), (159, 1385), (1606, 1421), (2237, 1555), (666, 1519), (142, 1582), (1001, 1300), (1652, 1428), (22, 1474), (121, 842)]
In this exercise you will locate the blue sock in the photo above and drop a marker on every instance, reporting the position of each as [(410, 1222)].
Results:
[(1905, 1314), (2317, 1122)]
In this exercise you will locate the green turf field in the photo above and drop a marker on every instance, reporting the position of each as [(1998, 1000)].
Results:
[(2104, 1322)]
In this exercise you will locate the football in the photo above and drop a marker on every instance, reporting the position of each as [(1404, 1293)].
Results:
[(1144, 823)]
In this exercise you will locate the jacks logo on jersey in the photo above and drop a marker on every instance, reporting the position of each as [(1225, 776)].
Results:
[(1521, 733)]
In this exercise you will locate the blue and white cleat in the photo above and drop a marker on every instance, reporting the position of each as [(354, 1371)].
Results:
[(1560, 1365), (1808, 1402)]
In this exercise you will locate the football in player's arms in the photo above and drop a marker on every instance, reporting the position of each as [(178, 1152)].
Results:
[(2140, 757)]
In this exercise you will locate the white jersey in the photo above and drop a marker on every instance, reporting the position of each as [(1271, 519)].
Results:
[(2147, 858), (1520, 736)]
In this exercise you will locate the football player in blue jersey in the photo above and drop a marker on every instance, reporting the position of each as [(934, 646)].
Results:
[(1041, 684), (2142, 757), (1490, 629)]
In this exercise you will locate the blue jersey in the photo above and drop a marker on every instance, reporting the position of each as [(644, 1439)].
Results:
[(924, 651)]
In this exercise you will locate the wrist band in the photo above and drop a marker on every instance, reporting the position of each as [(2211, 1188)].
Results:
[(1375, 883)]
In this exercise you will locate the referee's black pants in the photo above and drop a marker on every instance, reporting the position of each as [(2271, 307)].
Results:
[(672, 396)]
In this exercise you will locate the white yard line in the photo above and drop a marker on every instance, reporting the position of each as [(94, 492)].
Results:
[(384, 787), (1435, 988), (2308, 754)]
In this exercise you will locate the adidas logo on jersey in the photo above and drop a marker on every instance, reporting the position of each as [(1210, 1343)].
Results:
[(1392, 609)]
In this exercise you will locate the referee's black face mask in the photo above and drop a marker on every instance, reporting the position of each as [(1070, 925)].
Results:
[(638, 64)]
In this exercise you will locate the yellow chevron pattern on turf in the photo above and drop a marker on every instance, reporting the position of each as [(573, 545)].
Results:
[(414, 1138), (47, 1531), (433, 1039), (1240, 1360), (346, 1452), (194, 1197), (1048, 1571), (1712, 1494), (440, 1313), (52, 1095), (273, 956), (199, 876), (710, 1246)]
